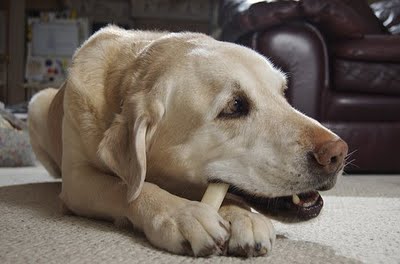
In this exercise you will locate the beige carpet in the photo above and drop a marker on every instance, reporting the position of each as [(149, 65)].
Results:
[(359, 223)]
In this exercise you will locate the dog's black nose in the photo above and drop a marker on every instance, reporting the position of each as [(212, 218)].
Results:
[(330, 154)]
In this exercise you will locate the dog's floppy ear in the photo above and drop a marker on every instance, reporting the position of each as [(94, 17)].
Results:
[(123, 150)]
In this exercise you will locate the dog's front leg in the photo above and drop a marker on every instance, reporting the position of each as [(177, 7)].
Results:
[(179, 225), (168, 221), (252, 234)]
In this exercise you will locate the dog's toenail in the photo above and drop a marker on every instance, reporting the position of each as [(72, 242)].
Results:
[(258, 247)]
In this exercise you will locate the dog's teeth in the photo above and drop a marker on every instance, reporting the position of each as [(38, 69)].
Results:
[(308, 204), (215, 194), (295, 199), (311, 202)]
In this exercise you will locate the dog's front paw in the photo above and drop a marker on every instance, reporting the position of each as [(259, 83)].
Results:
[(193, 229), (252, 234)]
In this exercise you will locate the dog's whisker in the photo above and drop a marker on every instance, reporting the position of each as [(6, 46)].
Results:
[(351, 163), (349, 154), (347, 160)]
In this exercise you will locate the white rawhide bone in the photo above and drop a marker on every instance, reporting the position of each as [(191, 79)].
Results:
[(215, 194)]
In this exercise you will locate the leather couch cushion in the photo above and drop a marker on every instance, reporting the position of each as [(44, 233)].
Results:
[(379, 48), (366, 77), (346, 107), (342, 18)]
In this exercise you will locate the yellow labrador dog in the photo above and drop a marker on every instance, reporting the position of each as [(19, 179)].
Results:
[(146, 120)]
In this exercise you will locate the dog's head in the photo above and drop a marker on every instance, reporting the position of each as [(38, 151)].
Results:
[(209, 111)]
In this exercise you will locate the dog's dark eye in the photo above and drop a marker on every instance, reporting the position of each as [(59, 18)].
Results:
[(238, 107)]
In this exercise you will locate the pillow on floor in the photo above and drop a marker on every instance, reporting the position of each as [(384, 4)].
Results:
[(15, 148)]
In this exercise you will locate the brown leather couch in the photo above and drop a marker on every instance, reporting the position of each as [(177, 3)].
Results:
[(342, 63)]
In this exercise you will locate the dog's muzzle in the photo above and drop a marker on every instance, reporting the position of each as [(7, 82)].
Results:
[(325, 162)]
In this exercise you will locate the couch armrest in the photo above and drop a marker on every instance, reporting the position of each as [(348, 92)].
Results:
[(300, 51), (241, 17)]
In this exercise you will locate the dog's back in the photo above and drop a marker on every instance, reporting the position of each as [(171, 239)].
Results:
[(46, 109), (45, 123)]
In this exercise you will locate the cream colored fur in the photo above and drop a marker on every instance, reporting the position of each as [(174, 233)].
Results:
[(141, 138)]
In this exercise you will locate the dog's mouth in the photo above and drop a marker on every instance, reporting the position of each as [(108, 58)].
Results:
[(295, 208)]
